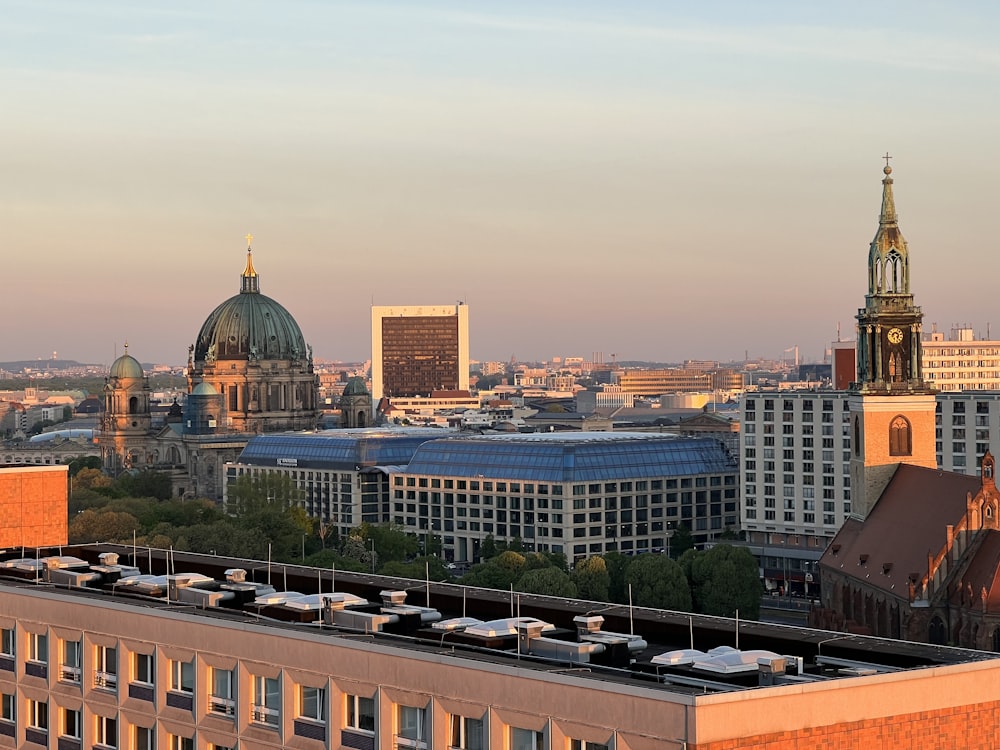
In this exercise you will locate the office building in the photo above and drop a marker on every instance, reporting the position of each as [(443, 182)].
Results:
[(341, 475), (579, 493), (102, 650), (417, 351)]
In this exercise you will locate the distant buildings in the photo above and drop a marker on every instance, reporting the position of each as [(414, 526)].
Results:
[(418, 350)]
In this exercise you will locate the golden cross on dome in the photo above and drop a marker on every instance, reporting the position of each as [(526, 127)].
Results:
[(249, 239)]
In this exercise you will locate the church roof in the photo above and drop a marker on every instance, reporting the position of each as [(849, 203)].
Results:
[(356, 387), (983, 573), (908, 522), (127, 366), (249, 326)]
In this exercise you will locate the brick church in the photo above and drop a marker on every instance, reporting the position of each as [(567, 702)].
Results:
[(920, 557)]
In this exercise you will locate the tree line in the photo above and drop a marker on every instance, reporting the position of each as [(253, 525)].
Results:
[(264, 519)]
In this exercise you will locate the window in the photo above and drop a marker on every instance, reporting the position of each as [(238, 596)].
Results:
[(220, 701), (182, 676), (360, 713), (7, 642), (106, 667), (143, 738), (266, 701), (106, 734), (312, 703), (899, 437), (181, 743), (69, 723), (38, 648), (142, 668), (582, 745), (526, 739), (38, 715), (69, 661), (8, 710), (411, 726), (465, 733)]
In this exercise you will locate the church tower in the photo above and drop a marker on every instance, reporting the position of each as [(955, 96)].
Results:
[(891, 408), (126, 423)]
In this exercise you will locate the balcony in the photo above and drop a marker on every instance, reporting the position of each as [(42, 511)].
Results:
[(69, 674), (221, 706), (106, 680), (264, 715)]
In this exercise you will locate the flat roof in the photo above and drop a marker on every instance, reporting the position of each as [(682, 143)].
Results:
[(824, 655)]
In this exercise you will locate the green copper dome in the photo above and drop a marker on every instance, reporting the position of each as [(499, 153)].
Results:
[(126, 366), (249, 326), (356, 387)]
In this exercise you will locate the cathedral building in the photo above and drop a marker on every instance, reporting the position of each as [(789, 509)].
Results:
[(919, 557), (250, 371)]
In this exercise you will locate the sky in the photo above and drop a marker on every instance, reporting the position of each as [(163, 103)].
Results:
[(658, 180)]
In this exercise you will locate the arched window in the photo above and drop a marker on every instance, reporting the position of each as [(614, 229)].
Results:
[(857, 436), (133, 405), (899, 437)]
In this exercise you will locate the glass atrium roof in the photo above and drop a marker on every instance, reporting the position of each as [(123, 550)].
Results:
[(337, 449), (571, 457)]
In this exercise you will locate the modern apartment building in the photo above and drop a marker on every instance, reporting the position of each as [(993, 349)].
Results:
[(417, 350), (795, 462), (97, 654)]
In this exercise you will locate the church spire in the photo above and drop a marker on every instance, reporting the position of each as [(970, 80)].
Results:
[(250, 284), (889, 351)]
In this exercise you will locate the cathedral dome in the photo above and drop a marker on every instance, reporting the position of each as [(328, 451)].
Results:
[(127, 366), (249, 326)]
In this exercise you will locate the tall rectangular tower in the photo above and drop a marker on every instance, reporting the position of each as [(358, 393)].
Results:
[(892, 408), (417, 350)]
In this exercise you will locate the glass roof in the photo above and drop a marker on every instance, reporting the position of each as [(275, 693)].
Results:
[(338, 449), (571, 457)]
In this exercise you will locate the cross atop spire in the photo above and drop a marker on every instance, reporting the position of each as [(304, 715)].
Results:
[(250, 284), (888, 215), (249, 237), (886, 157)]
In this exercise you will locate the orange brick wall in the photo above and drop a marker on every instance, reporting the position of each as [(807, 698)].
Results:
[(33, 506), (971, 727)]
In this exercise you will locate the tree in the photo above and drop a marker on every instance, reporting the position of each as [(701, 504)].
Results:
[(146, 483), (91, 479), (617, 564), (497, 573), (592, 579), (250, 493), (725, 579), (682, 541), (657, 581), (488, 548), (548, 581), (391, 540), (83, 462), (102, 526)]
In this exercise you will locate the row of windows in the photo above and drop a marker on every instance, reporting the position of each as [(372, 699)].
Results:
[(410, 724)]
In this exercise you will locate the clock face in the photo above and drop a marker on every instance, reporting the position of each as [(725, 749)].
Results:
[(895, 335)]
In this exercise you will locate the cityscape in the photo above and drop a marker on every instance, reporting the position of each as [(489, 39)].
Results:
[(567, 394)]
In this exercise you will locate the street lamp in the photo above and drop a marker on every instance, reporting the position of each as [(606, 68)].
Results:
[(669, 535)]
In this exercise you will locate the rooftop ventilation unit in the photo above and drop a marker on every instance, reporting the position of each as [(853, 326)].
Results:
[(236, 575), (108, 558)]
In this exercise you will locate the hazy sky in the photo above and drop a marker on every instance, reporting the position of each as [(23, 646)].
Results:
[(661, 180)]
